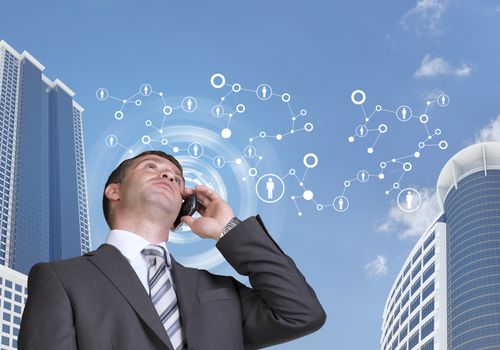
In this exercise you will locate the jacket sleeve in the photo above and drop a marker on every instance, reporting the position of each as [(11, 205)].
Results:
[(281, 305), (47, 321)]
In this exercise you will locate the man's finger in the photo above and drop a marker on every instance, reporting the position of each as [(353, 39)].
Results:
[(206, 191), (188, 220)]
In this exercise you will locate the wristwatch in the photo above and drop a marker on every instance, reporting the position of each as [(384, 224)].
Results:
[(231, 224)]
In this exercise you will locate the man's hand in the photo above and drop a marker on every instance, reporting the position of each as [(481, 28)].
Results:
[(215, 213)]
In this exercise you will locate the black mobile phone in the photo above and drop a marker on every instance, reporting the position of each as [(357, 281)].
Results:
[(189, 207)]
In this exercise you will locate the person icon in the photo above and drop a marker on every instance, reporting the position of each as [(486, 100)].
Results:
[(363, 176), (270, 188), (195, 150), (264, 91), (404, 112), (409, 200), (341, 203), (443, 100), (145, 89), (111, 140), (102, 93), (189, 104), (219, 161), (217, 110), (249, 151), (362, 131)]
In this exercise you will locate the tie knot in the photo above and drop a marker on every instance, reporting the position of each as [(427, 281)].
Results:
[(153, 252)]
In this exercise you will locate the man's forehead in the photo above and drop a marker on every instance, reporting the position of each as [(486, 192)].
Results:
[(157, 159)]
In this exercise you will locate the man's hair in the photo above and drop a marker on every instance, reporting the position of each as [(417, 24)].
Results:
[(118, 174)]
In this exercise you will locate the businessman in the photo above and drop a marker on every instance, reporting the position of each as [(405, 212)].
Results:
[(131, 294)]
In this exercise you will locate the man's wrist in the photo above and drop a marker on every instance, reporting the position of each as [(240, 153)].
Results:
[(229, 226)]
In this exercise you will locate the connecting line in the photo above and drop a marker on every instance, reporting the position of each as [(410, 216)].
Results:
[(364, 112), (376, 140), (303, 177)]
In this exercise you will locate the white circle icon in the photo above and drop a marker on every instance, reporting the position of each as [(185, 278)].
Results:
[(270, 188), (264, 92), (409, 200), (101, 94), (145, 90), (358, 97), (189, 104), (404, 113), (111, 141), (217, 111), (195, 150), (217, 80), (219, 162), (443, 100), (250, 151), (314, 158), (340, 204), (363, 176)]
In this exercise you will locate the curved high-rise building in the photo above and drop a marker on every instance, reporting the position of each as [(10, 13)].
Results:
[(447, 294), (469, 193)]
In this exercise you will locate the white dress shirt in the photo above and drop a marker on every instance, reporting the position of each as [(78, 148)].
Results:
[(131, 245)]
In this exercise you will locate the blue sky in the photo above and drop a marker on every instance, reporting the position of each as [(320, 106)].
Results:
[(398, 53)]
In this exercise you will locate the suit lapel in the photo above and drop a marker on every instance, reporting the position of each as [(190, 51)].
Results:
[(118, 270), (186, 284)]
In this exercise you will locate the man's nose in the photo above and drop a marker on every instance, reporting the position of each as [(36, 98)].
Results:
[(168, 176)]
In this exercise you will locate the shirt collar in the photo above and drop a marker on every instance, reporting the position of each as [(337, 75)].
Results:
[(130, 244)]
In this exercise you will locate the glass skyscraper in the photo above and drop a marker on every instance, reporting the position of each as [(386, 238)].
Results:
[(447, 294), (44, 212), (43, 190)]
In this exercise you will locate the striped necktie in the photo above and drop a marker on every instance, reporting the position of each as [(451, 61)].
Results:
[(163, 295)]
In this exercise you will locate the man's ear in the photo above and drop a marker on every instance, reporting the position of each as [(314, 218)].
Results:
[(112, 192)]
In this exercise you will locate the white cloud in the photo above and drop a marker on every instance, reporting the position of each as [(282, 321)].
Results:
[(377, 267), (414, 224), (490, 132), (425, 16), (432, 66)]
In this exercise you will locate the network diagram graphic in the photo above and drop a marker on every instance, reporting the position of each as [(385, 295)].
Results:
[(408, 199), (270, 187)]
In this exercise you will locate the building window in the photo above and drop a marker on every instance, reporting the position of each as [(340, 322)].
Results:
[(429, 254), (428, 308), (5, 341), (429, 345), (407, 268), (414, 321), (406, 283), (428, 328), (417, 255), (416, 270), (404, 315), (415, 303), (428, 272), (413, 341), (430, 239), (428, 290), (403, 333), (415, 286)]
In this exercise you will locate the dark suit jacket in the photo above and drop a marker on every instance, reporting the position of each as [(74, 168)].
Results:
[(96, 301)]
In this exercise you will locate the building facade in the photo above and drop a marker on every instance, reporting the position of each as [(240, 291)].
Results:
[(447, 294), (415, 313), (44, 213)]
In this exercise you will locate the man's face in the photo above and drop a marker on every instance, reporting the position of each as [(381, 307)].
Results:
[(152, 180)]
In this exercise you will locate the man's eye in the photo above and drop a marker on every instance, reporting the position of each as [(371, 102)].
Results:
[(151, 165)]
